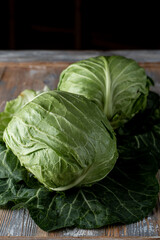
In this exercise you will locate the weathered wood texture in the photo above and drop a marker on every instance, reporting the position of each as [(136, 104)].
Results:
[(19, 75), (67, 56)]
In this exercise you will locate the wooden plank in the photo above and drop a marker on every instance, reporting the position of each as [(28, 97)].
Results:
[(70, 56), (79, 238), (15, 77)]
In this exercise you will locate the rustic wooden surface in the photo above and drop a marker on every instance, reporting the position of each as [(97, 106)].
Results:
[(32, 70), (67, 56)]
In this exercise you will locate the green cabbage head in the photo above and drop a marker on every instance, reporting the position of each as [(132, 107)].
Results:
[(63, 139), (118, 85), (13, 106)]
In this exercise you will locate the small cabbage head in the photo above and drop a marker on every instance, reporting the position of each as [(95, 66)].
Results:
[(118, 85), (13, 106), (63, 139)]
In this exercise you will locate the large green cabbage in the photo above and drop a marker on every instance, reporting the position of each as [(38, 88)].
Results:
[(64, 139), (119, 86)]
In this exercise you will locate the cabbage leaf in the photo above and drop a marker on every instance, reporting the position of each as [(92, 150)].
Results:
[(13, 106)]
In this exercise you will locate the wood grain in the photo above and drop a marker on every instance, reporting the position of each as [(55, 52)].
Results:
[(70, 56), (14, 78)]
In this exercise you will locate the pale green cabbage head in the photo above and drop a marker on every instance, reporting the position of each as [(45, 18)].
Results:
[(64, 139), (118, 85)]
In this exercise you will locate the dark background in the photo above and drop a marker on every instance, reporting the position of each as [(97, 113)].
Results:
[(79, 24)]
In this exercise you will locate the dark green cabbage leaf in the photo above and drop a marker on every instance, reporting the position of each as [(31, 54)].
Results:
[(119, 86), (126, 195), (143, 131), (15, 181)]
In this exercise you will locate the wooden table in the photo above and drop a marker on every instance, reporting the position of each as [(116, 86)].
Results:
[(32, 70)]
